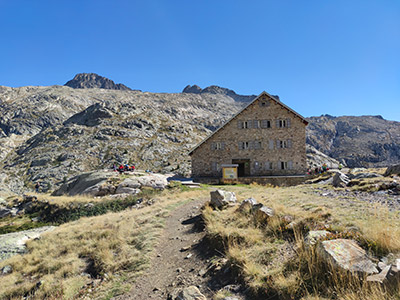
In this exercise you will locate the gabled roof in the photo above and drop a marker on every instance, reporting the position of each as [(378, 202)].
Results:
[(259, 96)]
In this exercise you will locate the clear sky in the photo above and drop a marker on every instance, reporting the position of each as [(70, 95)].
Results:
[(338, 57)]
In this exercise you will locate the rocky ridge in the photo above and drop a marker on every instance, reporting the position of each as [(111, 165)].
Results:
[(365, 141), (92, 80)]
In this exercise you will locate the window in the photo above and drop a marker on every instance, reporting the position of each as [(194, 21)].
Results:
[(265, 124), (284, 143), (247, 124), (256, 124), (264, 103), (283, 123), (257, 145), (215, 167), (286, 165), (257, 165), (268, 165), (217, 146), (246, 145), (271, 144)]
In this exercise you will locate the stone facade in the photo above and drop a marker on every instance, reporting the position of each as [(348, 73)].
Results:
[(266, 138)]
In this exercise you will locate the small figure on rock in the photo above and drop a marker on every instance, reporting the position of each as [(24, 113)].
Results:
[(37, 186)]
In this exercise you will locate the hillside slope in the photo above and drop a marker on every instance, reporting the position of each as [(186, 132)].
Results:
[(364, 141)]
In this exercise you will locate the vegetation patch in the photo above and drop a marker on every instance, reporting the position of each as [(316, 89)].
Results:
[(273, 260)]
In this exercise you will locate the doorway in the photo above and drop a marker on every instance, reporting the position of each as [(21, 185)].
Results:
[(243, 168)]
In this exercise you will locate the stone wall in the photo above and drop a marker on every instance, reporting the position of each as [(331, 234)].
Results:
[(207, 161)]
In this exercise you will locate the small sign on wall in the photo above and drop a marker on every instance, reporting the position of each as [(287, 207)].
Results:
[(230, 171)]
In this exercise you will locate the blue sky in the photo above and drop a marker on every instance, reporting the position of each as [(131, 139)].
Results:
[(320, 56)]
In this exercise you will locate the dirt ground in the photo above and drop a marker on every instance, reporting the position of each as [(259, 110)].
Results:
[(180, 259)]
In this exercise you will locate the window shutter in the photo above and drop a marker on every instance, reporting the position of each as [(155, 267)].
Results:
[(251, 145), (288, 122), (278, 144), (240, 145), (240, 126), (212, 146), (222, 145), (249, 123), (255, 122), (290, 165), (289, 143), (271, 144), (277, 123)]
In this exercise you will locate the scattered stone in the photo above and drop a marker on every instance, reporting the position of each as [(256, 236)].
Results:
[(183, 249), (314, 236), (189, 256), (382, 276), (190, 293), (5, 212), (347, 255), (6, 270), (262, 213), (340, 180), (247, 204), (220, 198)]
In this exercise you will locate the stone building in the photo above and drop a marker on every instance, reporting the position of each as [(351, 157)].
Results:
[(265, 139)]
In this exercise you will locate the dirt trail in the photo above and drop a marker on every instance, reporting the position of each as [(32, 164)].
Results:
[(178, 259)]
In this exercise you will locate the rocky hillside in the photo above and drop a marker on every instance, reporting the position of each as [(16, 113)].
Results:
[(53, 133), (68, 131), (92, 80), (365, 141)]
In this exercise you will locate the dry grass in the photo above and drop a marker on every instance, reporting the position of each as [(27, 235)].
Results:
[(273, 260), (115, 247)]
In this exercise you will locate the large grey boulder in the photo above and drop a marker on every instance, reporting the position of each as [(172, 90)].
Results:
[(247, 204), (127, 190), (262, 213), (131, 183), (190, 293), (220, 198), (347, 255), (14, 243), (340, 180), (87, 183)]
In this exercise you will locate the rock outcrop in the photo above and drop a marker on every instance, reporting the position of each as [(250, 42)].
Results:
[(220, 198), (364, 141), (217, 90), (92, 80), (346, 254)]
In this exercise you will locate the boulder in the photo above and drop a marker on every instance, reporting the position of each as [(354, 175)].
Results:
[(14, 243), (6, 270), (347, 255), (131, 183), (247, 204), (190, 293), (127, 190), (314, 236), (84, 183), (100, 189), (262, 213), (340, 180), (220, 198), (392, 170)]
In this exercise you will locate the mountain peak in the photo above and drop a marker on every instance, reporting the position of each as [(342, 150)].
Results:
[(215, 89), (92, 80)]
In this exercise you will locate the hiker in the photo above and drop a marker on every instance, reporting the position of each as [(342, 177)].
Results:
[(340, 166), (115, 167), (37, 186), (121, 168)]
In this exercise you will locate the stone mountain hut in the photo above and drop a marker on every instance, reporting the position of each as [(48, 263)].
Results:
[(264, 142)]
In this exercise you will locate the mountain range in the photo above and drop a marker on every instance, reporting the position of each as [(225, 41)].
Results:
[(51, 133)]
